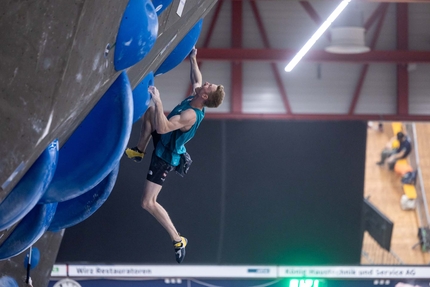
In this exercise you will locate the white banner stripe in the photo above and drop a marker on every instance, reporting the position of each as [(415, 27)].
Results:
[(373, 272), (198, 271), (172, 271)]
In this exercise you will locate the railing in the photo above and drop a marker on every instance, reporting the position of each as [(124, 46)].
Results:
[(421, 201)]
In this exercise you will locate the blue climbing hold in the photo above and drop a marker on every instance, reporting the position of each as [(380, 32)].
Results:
[(7, 281), (142, 97), (28, 230), (182, 50), (76, 210), (137, 33), (35, 258), (161, 5), (30, 188), (96, 146)]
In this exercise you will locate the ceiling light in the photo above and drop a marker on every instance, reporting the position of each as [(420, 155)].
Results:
[(316, 36), (347, 40)]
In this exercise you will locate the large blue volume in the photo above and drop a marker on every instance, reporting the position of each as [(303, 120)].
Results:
[(182, 50), (142, 97), (7, 281), (136, 34), (30, 188), (76, 210), (96, 146), (28, 230)]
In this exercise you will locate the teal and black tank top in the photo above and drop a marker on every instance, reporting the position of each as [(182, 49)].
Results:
[(172, 144)]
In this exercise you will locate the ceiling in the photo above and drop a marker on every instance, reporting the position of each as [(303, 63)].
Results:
[(245, 45)]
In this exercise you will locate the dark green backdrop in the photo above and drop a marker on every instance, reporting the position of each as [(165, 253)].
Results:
[(258, 192)]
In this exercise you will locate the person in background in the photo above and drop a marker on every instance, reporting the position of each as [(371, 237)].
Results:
[(391, 155)]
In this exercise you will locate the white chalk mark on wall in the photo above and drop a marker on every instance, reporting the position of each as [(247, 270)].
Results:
[(47, 128), (12, 176), (180, 7)]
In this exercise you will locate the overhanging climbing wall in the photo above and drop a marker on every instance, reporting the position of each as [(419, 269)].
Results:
[(74, 78)]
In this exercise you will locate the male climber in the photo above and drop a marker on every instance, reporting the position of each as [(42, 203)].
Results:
[(169, 135)]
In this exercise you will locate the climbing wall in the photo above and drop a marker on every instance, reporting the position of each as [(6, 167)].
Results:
[(74, 80)]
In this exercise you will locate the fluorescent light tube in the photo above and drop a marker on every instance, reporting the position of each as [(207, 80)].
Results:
[(316, 36)]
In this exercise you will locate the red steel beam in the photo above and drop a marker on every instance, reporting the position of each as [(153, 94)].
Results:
[(402, 69), (283, 55), (314, 117), (375, 15), (366, 66), (311, 12), (236, 66), (358, 88), (213, 23), (314, 15), (402, 90), (273, 65)]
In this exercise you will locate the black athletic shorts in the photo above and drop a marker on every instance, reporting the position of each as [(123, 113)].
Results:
[(158, 169)]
